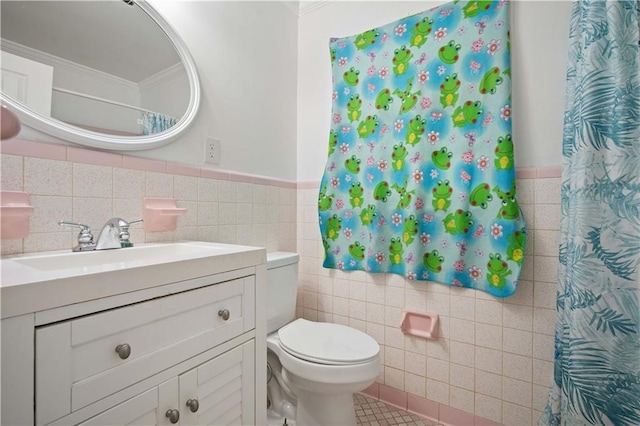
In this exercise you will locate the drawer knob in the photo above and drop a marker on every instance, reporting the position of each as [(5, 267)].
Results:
[(193, 405), (173, 415), (224, 314), (123, 350)]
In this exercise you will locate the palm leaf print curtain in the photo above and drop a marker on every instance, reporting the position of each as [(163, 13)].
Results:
[(597, 349)]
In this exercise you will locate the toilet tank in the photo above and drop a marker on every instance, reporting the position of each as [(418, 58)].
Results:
[(282, 289)]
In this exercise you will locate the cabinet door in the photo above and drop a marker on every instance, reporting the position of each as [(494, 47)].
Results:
[(148, 408), (224, 389)]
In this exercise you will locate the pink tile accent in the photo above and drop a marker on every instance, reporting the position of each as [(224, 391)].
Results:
[(14, 214), (454, 417), (160, 214), (393, 396), (34, 149), (372, 390), (263, 180), (308, 185), (98, 158), (481, 421), (182, 169), (423, 407), (526, 173), (144, 164), (214, 174), (549, 172), (241, 177)]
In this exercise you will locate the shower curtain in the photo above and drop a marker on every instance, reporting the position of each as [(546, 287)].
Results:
[(154, 122), (597, 349)]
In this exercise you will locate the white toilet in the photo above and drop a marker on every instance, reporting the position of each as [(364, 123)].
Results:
[(314, 367)]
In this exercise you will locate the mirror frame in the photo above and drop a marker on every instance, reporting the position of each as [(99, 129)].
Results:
[(70, 133)]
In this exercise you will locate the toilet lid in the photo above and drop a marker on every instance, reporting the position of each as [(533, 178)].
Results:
[(326, 343)]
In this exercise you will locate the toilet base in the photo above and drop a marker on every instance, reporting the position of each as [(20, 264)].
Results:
[(316, 409)]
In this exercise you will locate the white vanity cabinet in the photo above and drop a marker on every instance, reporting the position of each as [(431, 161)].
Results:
[(189, 352)]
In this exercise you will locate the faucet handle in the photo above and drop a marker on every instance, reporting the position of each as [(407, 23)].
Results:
[(85, 237), (124, 232)]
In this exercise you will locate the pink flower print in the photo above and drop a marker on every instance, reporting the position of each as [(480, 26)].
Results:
[(334, 95), (487, 120), (398, 125), (462, 30), (425, 239), (463, 195), (446, 12), (478, 232), (483, 162), (348, 214), (369, 177), (423, 77), (466, 177), (433, 137), (371, 88), (427, 217), (496, 231), (440, 33), (384, 130), (479, 253), (411, 276), (335, 182), (339, 204), (340, 264), (433, 174), (371, 161), (380, 257), (459, 265), (475, 273), (383, 73), (417, 176), (396, 219), (400, 29), (419, 204), (344, 148), (493, 46), (371, 71), (476, 46), (425, 103), (384, 38), (346, 91), (343, 61), (441, 70), (347, 178), (505, 112), (382, 165), (467, 157), (348, 233), (436, 116), (337, 118), (475, 66), (346, 129)]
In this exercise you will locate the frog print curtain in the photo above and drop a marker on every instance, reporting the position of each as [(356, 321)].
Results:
[(420, 177)]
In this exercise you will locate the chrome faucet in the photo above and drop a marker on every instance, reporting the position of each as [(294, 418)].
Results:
[(114, 235)]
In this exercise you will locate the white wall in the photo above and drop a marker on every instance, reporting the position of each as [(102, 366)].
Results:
[(539, 32)]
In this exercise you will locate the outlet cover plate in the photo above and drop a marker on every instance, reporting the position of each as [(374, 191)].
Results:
[(211, 151)]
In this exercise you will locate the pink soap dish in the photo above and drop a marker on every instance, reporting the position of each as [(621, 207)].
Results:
[(160, 214), (419, 324), (14, 214)]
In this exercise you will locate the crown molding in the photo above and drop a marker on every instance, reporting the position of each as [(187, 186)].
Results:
[(168, 74), (310, 6)]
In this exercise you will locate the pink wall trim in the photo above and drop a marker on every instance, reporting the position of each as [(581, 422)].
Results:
[(549, 172), (144, 164), (98, 158), (526, 173), (308, 185), (426, 408), (181, 169), (372, 391), (34, 149)]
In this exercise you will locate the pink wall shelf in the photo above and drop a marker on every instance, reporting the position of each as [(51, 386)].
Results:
[(160, 214), (419, 324), (14, 214)]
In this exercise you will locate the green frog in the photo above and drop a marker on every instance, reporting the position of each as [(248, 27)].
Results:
[(353, 106), (474, 7), (401, 58), (442, 158), (367, 127), (420, 31), (433, 261), (490, 81), (408, 99), (459, 222), (510, 208), (415, 130), (481, 196), (441, 195), (368, 215), (410, 229), (352, 165), (395, 251), (351, 77), (357, 250), (383, 99), (449, 52), (398, 156), (467, 114), (324, 201), (366, 39), (333, 141), (405, 196), (515, 249), (449, 90), (355, 195), (504, 153), (381, 191), (333, 227), (498, 271)]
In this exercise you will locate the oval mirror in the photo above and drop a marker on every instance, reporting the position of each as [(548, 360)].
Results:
[(110, 74)]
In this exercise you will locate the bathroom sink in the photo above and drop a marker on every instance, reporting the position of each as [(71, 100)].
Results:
[(123, 257), (39, 281)]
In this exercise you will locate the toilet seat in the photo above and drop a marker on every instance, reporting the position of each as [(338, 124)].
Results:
[(327, 343)]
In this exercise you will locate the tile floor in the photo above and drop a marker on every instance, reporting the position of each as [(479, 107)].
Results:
[(371, 412)]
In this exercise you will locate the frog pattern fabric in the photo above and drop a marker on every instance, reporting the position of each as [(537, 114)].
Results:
[(420, 179)]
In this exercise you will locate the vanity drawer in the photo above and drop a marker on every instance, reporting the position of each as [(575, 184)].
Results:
[(77, 362)]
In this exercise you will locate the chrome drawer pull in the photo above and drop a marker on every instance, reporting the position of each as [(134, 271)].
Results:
[(123, 350), (174, 415), (193, 405), (224, 314)]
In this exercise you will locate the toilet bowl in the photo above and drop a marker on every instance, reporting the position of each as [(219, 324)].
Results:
[(319, 365)]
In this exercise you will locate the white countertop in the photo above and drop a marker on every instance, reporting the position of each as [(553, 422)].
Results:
[(40, 281)]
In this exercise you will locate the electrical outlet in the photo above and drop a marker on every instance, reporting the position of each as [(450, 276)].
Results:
[(211, 150)]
